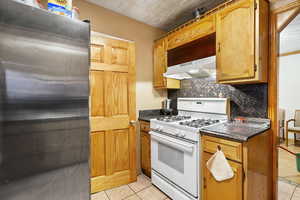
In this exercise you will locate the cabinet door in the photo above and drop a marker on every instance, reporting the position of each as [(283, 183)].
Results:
[(199, 29), (160, 64), (226, 190), (145, 153), (236, 41)]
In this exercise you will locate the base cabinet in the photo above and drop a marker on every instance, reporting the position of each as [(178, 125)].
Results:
[(227, 190), (145, 148), (251, 162)]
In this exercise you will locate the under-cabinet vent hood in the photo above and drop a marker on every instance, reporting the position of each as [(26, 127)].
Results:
[(201, 68)]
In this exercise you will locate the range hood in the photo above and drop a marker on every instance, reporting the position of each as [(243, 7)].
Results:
[(201, 68)]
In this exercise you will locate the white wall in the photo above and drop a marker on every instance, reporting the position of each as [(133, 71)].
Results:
[(289, 84)]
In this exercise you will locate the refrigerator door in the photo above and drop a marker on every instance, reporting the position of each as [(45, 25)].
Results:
[(44, 87)]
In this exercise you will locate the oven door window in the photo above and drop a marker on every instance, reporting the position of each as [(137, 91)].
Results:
[(172, 157)]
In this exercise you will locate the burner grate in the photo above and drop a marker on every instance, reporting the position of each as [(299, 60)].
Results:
[(173, 118), (198, 123)]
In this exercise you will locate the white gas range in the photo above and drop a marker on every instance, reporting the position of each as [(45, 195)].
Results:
[(175, 145)]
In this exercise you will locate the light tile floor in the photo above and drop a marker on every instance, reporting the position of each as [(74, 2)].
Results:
[(288, 190), (287, 164), (142, 189)]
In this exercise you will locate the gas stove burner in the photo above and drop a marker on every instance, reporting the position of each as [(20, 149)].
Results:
[(198, 123), (173, 118)]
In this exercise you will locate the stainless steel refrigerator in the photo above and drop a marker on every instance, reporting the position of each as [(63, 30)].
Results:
[(44, 87)]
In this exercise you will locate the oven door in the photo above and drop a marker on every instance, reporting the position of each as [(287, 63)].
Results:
[(176, 160)]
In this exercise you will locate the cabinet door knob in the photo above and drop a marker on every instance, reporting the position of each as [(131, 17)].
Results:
[(219, 46)]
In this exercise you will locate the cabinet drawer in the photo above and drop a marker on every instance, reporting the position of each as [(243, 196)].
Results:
[(232, 150), (145, 126)]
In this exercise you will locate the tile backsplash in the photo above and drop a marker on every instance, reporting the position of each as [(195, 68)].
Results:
[(246, 100)]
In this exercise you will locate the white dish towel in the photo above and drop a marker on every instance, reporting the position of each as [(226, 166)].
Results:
[(219, 167)]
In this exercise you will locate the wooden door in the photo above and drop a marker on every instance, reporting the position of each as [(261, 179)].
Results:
[(231, 189), (236, 41), (113, 137), (160, 64)]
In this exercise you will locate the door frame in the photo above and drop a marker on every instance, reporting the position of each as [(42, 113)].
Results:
[(273, 81)]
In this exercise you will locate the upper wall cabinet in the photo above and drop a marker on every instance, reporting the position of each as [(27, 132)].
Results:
[(239, 32), (160, 67), (242, 42), (192, 32)]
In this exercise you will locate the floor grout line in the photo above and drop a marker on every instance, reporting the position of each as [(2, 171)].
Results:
[(130, 196), (144, 189), (130, 188), (106, 194), (293, 193)]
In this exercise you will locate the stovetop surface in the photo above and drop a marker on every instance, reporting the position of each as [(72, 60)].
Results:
[(186, 121)]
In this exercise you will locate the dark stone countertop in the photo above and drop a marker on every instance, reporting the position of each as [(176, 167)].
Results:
[(236, 132), (146, 115), (147, 118)]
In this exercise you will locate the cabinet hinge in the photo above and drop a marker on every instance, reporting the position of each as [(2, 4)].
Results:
[(255, 5), (255, 67), (244, 175)]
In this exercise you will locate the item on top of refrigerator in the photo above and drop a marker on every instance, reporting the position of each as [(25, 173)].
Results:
[(39, 3), (75, 13), (60, 7), (32, 3)]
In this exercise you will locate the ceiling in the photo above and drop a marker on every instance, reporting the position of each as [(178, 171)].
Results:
[(163, 14), (290, 37)]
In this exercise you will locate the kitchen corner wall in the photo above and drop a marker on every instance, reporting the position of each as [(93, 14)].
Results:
[(113, 24), (246, 100)]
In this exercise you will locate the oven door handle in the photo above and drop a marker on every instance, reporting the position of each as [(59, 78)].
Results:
[(189, 148)]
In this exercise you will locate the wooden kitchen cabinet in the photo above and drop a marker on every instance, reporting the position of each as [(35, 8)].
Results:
[(145, 148), (227, 190), (251, 162), (242, 42), (160, 67), (194, 31), (241, 47)]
